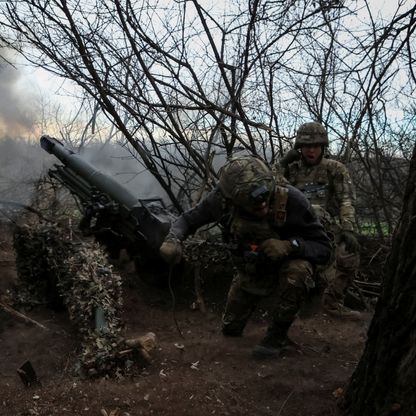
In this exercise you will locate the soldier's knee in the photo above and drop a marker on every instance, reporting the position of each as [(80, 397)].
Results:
[(345, 260), (298, 273), (347, 263)]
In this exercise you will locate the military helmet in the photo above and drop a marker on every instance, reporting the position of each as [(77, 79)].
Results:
[(246, 180), (311, 133)]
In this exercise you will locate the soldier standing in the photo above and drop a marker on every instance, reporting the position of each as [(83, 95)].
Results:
[(328, 186), (275, 239)]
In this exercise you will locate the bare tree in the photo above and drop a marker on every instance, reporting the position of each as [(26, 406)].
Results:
[(180, 82)]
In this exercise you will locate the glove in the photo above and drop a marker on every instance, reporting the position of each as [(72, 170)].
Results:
[(291, 156), (351, 243), (171, 251), (276, 249)]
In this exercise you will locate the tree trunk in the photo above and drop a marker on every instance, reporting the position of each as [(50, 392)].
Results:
[(384, 382)]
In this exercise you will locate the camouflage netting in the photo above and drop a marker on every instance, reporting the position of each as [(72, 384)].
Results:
[(212, 268), (55, 268), (205, 253)]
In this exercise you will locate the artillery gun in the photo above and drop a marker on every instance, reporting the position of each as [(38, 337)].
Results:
[(117, 218), (60, 270)]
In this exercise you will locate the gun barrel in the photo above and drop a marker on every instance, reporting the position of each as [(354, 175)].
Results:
[(87, 171)]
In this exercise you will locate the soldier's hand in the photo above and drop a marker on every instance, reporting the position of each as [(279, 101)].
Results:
[(276, 249), (291, 156), (171, 251), (350, 240)]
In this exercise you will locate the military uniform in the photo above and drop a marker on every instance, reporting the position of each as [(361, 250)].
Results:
[(290, 218), (329, 188)]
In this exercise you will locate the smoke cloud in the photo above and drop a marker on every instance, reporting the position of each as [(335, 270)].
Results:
[(118, 163), (22, 164), (16, 118)]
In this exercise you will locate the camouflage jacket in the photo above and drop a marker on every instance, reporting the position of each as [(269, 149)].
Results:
[(329, 188), (300, 223)]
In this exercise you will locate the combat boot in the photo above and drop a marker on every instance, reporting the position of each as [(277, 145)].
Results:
[(337, 310), (233, 329), (274, 343)]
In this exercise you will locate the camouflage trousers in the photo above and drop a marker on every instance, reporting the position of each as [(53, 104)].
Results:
[(338, 276), (292, 280)]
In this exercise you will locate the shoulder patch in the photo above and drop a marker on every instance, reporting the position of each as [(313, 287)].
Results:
[(281, 194)]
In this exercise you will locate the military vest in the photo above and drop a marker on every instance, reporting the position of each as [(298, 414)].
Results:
[(325, 185), (313, 181), (256, 271)]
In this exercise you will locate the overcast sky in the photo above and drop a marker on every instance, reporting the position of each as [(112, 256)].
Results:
[(24, 90)]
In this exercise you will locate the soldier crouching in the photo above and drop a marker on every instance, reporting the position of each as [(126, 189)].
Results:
[(276, 238)]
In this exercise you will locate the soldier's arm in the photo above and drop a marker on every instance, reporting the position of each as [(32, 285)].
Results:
[(209, 210), (345, 196), (302, 224)]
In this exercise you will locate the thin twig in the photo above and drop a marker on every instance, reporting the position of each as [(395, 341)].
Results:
[(374, 256), (284, 403), (363, 283), (173, 300), (12, 311)]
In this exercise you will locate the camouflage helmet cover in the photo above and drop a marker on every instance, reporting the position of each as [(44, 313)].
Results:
[(311, 133), (242, 175)]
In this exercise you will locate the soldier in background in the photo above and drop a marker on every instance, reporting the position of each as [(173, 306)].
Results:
[(275, 240), (328, 186)]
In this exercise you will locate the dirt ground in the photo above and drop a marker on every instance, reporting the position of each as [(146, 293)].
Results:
[(198, 373)]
